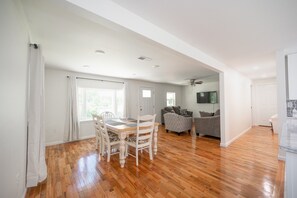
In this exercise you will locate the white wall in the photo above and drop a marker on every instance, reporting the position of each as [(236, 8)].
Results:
[(235, 105), (190, 99), (55, 102), (14, 46)]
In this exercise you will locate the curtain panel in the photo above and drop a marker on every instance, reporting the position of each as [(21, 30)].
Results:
[(36, 166), (72, 122)]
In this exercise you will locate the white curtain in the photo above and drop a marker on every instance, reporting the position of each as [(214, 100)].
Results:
[(72, 123), (36, 166)]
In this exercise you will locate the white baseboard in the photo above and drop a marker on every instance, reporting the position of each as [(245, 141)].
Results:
[(53, 143), (62, 142), (87, 137), (226, 144)]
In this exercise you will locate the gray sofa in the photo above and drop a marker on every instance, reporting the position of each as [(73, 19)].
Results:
[(208, 124), (177, 123), (175, 109)]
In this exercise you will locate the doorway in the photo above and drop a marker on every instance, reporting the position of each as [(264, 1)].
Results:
[(146, 101), (264, 103)]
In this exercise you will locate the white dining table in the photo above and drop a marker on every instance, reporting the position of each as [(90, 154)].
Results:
[(125, 127)]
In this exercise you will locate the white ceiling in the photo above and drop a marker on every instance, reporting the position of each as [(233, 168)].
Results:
[(242, 34), (69, 41)]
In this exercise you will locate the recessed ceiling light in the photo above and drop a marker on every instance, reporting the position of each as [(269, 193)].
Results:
[(99, 52), (144, 58), (155, 66), (86, 66)]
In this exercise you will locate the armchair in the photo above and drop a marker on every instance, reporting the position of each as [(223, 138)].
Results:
[(177, 110), (177, 123), (208, 125)]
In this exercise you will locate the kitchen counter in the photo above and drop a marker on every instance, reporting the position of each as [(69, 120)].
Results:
[(288, 142), (288, 139)]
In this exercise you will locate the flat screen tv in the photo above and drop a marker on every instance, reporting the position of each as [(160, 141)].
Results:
[(207, 97)]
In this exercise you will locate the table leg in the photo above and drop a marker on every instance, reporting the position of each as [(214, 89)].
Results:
[(156, 140), (122, 137)]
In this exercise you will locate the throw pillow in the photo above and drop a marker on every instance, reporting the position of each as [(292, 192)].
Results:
[(205, 114), (176, 110), (183, 112)]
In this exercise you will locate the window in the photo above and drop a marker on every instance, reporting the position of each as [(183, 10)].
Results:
[(95, 101), (170, 97), (146, 93)]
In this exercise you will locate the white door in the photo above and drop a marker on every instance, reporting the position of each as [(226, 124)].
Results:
[(264, 104), (146, 101)]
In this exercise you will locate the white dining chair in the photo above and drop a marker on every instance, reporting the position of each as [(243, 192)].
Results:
[(99, 143), (106, 115), (109, 140), (144, 135)]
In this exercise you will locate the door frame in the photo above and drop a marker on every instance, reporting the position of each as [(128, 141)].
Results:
[(254, 98), (153, 97)]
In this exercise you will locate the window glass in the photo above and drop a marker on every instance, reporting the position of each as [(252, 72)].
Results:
[(146, 93), (170, 97), (95, 101)]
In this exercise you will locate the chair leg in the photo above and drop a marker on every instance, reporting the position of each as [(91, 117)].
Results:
[(99, 147), (108, 154), (151, 152), (97, 139), (178, 133), (102, 147), (136, 156), (126, 151), (166, 130)]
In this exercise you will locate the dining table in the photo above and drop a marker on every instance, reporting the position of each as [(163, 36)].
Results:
[(124, 127)]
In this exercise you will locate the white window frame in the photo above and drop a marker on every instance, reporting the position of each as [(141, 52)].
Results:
[(146, 93), (167, 99), (83, 114)]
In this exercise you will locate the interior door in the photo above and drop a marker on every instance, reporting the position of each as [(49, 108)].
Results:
[(146, 101), (265, 103)]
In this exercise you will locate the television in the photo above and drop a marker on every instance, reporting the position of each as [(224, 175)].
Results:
[(207, 97)]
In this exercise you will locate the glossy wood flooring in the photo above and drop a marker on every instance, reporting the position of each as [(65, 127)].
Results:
[(185, 166)]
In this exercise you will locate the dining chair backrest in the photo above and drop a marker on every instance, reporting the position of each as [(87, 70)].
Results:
[(96, 118), (103, 131), (145, 128), (106, 115)]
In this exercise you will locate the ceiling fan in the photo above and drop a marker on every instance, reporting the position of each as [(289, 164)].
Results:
[(194, 82)]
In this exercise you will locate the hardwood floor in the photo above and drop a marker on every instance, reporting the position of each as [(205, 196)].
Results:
[(185, 166)]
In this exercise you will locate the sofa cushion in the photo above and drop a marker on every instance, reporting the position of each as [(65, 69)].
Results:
[(205, 114), (177, 110)]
